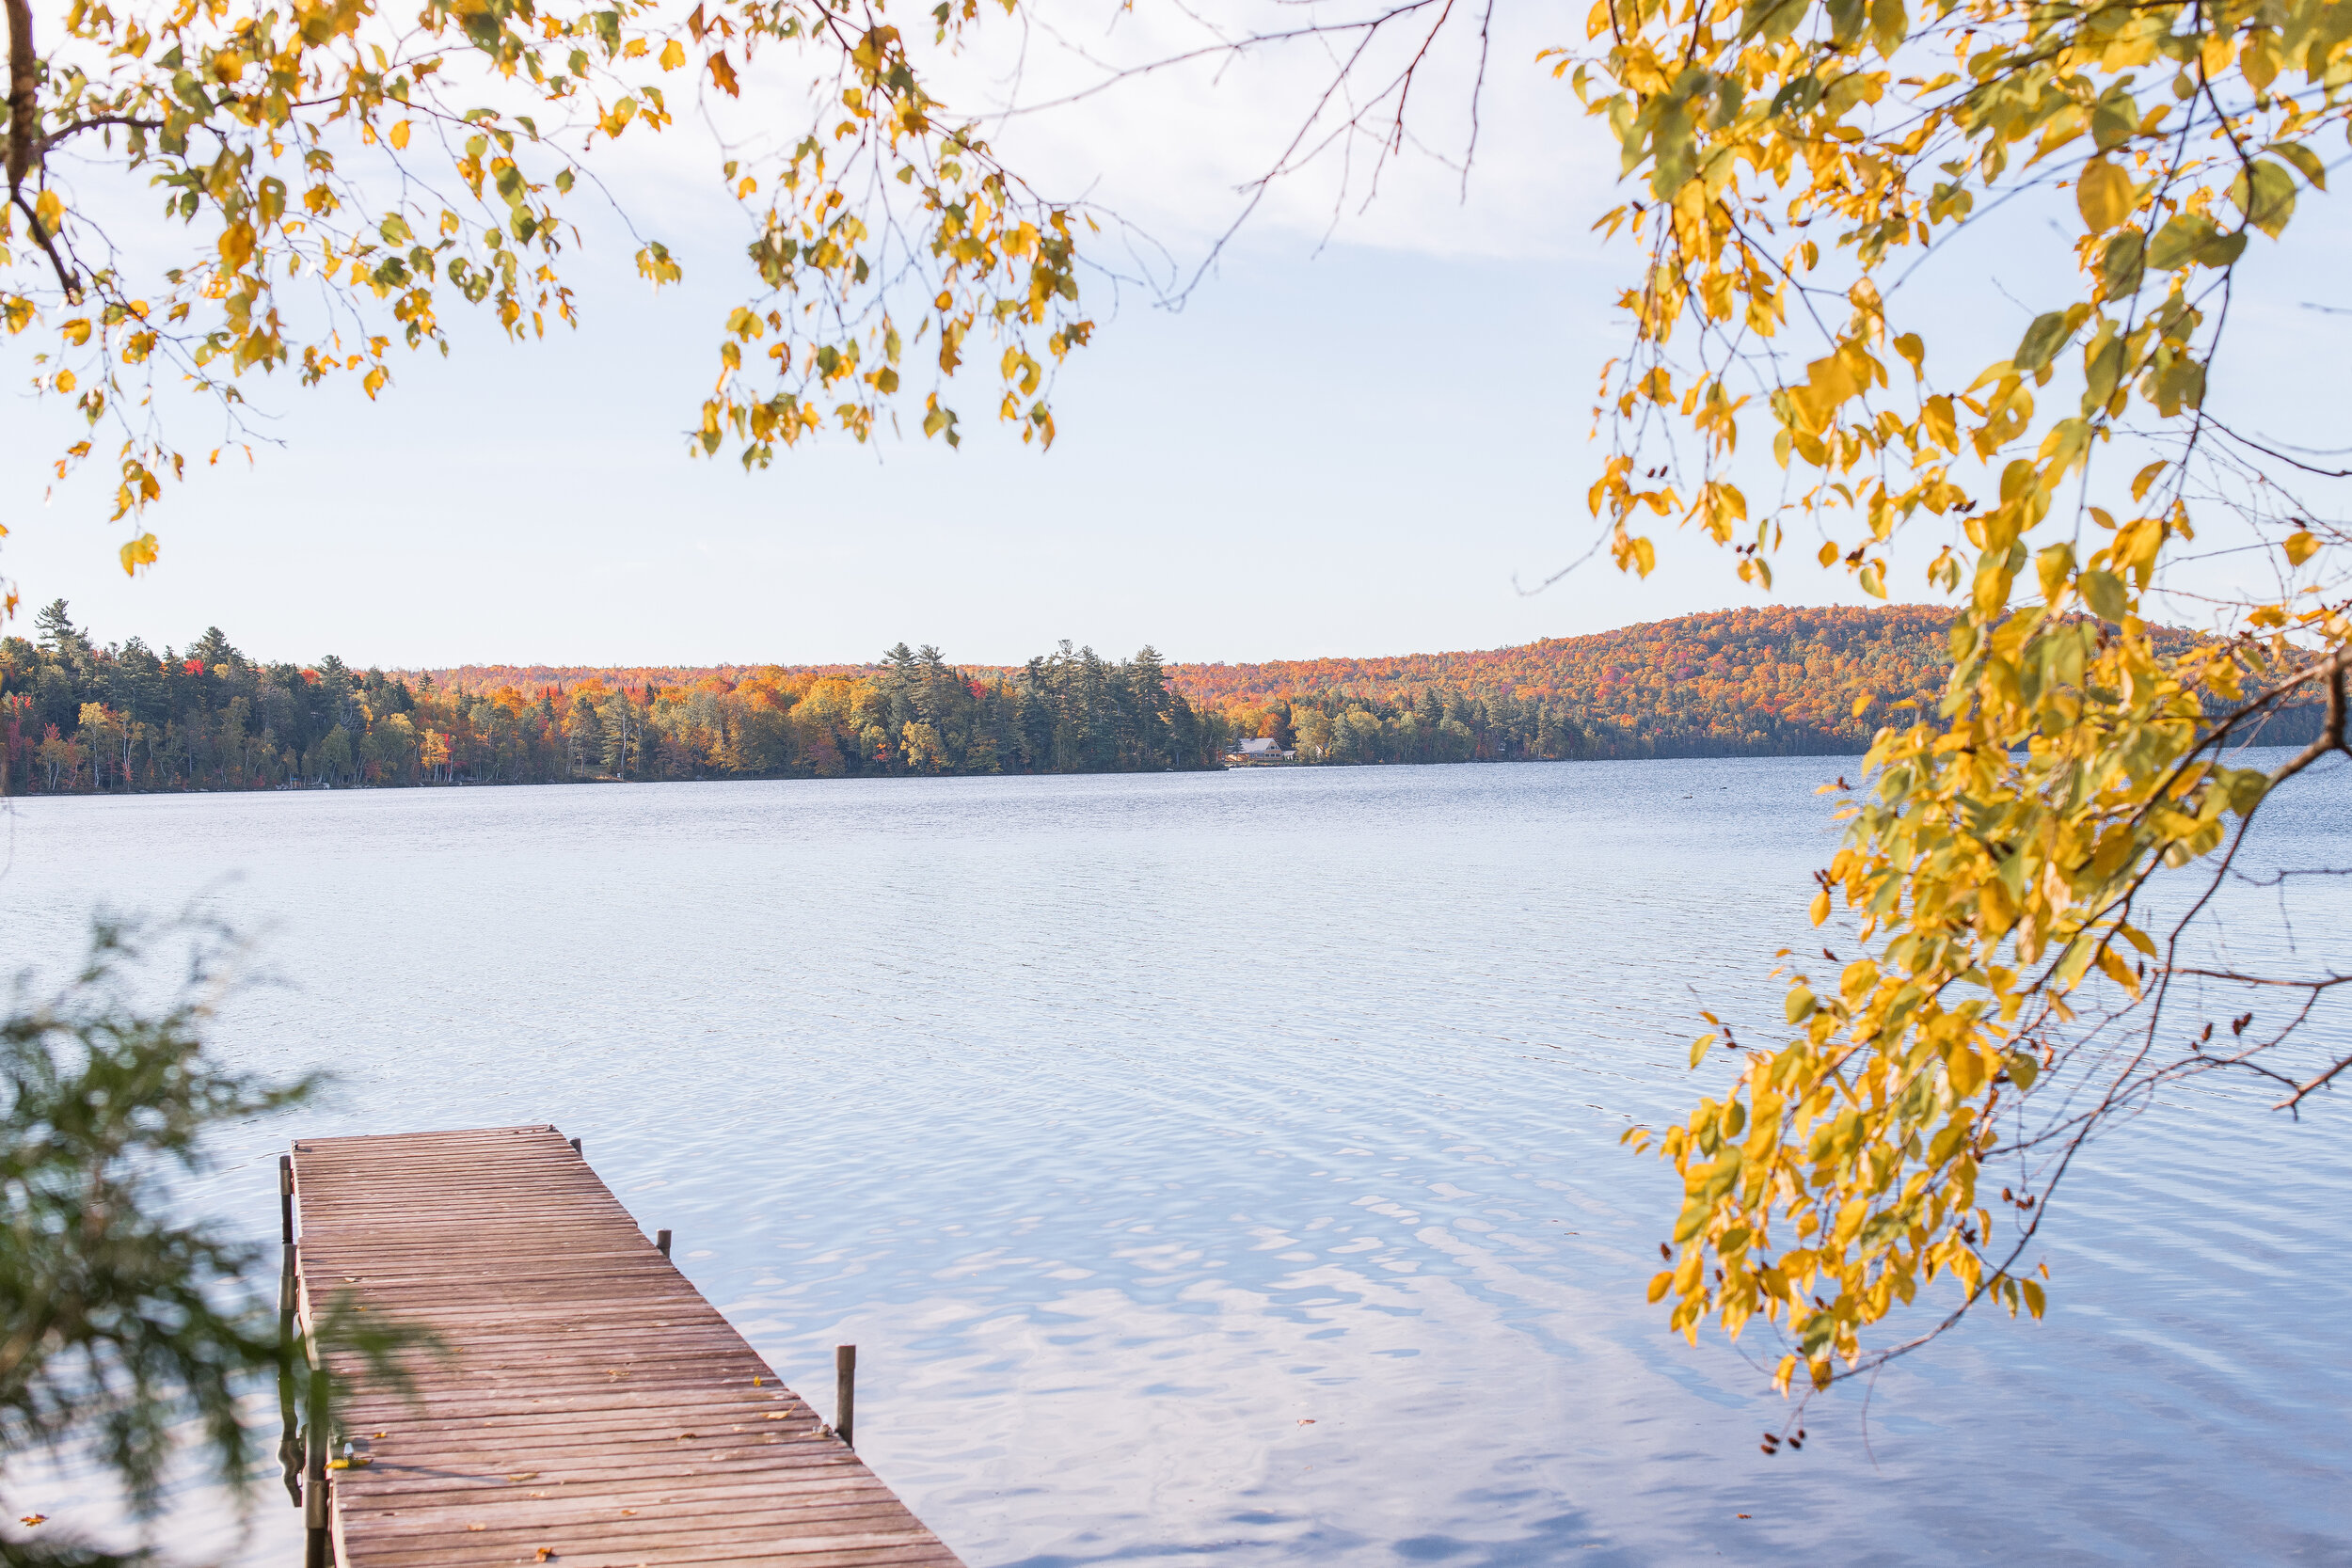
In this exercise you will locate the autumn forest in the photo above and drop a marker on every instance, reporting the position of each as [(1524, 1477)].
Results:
[(75, 715)]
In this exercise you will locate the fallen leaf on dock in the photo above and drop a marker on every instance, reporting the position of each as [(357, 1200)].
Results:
[(545, 1553), (524, 1475), (477, 1527), (779, 1416), (683, 1436), (1306, 1420)]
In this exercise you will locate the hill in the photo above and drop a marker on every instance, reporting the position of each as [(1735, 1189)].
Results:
[(1769, 681), (1736, 682)]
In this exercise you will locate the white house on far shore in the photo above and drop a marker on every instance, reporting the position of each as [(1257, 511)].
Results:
[(1261, 750)]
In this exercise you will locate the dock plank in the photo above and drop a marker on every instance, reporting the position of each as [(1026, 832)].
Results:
[(592, 1410)]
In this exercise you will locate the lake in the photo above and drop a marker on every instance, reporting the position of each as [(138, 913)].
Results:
[(1223, 1169)]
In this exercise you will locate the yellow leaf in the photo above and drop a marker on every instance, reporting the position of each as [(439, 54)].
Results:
[(672, 55), (723, 73), (2104, 194), (373, 381), (137, 553), (2299, 546), (77, 333), (1862, 704), (1942, 423), (50, 209), (400, 135)]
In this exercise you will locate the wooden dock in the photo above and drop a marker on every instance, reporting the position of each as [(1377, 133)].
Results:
[(590, 1408)]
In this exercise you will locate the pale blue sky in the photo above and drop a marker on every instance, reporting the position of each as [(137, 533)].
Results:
[(1349, 447)]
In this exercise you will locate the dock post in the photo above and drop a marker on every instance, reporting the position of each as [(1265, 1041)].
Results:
[(576, 1148), (285, 1196), (845, 1392), (315, 1544), (661, 1240), (289, 1402)]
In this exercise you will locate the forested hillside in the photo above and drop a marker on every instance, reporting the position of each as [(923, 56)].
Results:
[(1740, 682), (78, 716)]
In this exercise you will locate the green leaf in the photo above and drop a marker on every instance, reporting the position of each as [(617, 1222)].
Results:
[(2178, 239), (2103, 593), (2102, 367), (2304, 159), (2265, 194), (1771, 20), (2113, 119), (2221, 250), (2043, 339), (2123, 265)]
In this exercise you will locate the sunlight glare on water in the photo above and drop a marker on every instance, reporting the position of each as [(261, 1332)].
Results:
[(1224, 1167)]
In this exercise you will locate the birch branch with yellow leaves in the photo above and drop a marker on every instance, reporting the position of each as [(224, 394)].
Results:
[(334, 178), (2007, 991)]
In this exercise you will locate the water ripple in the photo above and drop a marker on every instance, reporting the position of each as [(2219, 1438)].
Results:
[(1223, 1169)]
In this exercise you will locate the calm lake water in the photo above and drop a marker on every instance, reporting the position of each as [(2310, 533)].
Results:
[(1223, 1169)]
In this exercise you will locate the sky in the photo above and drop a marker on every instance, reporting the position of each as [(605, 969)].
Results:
[(1360, 434)]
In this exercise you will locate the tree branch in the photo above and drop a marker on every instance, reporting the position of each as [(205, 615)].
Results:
[(77, 127), (67, 278), (2295, 1101), (24, 102), (26, 145), (2331, 736)]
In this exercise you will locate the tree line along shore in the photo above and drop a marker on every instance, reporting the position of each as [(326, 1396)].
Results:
[(78, 716)]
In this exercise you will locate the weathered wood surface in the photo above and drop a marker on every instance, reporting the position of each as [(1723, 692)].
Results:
[(594, 1410)]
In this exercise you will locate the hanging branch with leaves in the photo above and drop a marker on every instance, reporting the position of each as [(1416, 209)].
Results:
[(334, 179), (2000, 870)]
